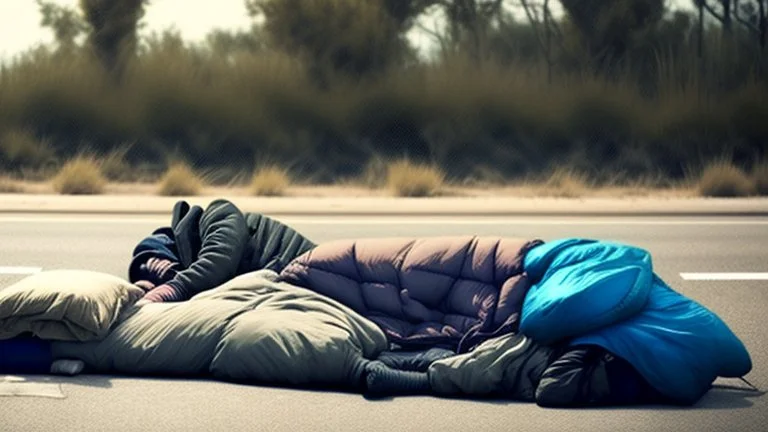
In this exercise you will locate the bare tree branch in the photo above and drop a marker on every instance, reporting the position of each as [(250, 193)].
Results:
[(558, 31), (750, 26), (440, 38), (534, 23), (712, 11)]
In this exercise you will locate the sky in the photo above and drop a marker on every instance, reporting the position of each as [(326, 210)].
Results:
[(20, 21)]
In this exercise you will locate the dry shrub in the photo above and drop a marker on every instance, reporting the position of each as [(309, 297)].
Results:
[(180, 180), (408, 179), (270, 181), (80, 176), (723, 179)]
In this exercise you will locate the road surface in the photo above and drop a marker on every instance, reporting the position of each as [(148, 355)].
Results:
[(718, 261)]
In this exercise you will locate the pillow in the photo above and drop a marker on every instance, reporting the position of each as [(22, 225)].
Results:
[(65, 305)]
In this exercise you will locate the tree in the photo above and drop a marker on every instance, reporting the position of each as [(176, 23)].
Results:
[(512, 40), (113, 30), (535, 18), (720, 10), (352, 37), (66, 24), (225, 43), (405, 12), (750, 13), (469, 20), (609, 28), (753, 15)]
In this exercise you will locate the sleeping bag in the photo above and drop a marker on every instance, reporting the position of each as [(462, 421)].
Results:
[(595, 293), (249, 329)]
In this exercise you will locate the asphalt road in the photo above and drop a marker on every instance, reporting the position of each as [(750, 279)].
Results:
[(681, 245)]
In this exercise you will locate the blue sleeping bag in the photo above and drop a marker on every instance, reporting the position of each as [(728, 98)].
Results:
[(606, 294)]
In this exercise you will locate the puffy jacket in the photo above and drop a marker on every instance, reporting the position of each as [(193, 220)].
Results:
[(452, 292)]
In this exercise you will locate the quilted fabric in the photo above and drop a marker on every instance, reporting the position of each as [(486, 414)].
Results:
[(435, 291)]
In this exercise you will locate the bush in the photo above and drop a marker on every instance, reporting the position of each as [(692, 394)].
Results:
[(760, 178), (180, 180), (723, 179), (19, 148), (407, 179), (80, 176), (270, 181), (456, 111)]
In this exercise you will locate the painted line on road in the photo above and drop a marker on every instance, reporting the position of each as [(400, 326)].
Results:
[(724, 276), (399, 220), (733, 276), (19, 270)]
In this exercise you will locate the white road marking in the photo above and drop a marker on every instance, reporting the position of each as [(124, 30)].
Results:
[(401, 220), (734, 276), (19, 270), (724, 276)]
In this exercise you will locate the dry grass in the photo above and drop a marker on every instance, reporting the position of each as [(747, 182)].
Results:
[(22, 149), (270, 181), (374, 176), (80, 176), (115, 167), (8, 185), (723, 179), (407, 179), (760, 178), (180, 180), (565, 183)]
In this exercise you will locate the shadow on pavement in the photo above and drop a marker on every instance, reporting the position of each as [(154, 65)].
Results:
[(720, 397), (98, 381)]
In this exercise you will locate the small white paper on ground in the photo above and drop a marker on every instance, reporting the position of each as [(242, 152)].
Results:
[(13, 385)]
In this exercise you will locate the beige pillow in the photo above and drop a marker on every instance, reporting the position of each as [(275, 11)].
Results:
[(68, 305)]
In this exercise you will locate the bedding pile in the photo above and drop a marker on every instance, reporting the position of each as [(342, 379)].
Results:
[(565, 323), (572, 322)]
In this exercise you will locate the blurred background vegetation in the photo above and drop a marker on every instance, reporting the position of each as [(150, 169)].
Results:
[(617, 91)]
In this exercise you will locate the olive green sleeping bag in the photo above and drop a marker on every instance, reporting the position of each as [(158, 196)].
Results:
[(250, 329)]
